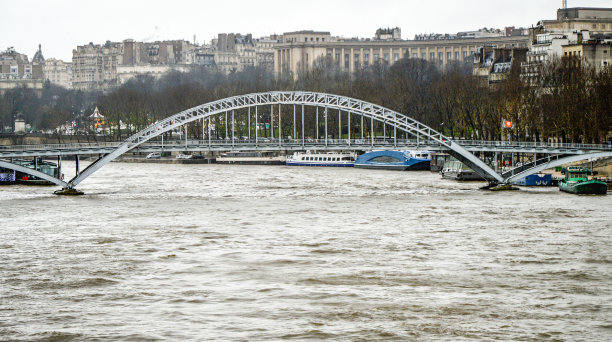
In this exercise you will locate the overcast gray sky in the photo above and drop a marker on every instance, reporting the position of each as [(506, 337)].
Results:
[(61, 25)]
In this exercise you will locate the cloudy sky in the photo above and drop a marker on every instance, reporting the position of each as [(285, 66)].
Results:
[(61, 25)]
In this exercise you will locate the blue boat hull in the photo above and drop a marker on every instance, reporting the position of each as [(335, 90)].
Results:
[(536, 180), (391, 160)]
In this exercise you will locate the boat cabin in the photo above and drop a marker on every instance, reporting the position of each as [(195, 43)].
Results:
[(576, 174), (326, 158)]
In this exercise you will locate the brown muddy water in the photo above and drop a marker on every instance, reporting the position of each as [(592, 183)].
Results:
[(163, 252)]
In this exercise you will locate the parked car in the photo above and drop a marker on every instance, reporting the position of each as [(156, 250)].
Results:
[(154, 155), (183, 156)]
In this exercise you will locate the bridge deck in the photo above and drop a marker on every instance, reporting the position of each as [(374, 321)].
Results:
[(286, 145)]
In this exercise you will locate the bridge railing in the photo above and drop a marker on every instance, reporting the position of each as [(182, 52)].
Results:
[(289, 142), (46, 147), (263, 141), (532, 144)]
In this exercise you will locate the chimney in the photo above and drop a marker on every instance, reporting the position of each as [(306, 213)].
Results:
[(564, 4)]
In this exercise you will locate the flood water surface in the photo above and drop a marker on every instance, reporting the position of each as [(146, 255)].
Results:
[(260, 253)]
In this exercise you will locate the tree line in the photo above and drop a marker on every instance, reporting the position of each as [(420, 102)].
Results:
[(569, 101)]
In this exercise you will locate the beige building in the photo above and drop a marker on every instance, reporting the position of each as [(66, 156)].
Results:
[(58, 72), (595, 20), (551, 39), (104, 67), (493, 65), (168, 52), (94, 67), (17, 71), (15, 65), (299, 51), (596, 52), (235, 52), (264, 51)]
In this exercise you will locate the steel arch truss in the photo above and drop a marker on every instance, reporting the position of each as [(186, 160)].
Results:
[(353, 106), (557, 162), (32, 172)]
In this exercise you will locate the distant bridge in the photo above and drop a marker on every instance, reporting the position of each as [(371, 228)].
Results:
[(413, 135)]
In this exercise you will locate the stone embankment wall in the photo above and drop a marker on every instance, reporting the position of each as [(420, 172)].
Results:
[(34, 139)]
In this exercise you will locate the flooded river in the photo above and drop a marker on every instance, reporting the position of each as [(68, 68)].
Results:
[(163, 252)]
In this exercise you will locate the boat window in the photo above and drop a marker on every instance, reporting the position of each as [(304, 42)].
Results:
[(385, 159)]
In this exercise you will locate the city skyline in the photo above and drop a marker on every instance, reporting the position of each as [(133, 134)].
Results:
[(74, 25)]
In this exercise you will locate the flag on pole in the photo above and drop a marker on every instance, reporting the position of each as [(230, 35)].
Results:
[(507, 124)]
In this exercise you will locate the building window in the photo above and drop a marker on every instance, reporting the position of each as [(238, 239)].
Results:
[(448, 56), (432, 56), (395, 57), (376, 56), (366, 59), (322, 39), (317, 39), (306, 39), (414, 55), (346, 60), (423, 55), (440, 56), (457, 55), (386, 57)]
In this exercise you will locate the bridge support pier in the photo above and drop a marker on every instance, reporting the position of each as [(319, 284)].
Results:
[(68, 192)]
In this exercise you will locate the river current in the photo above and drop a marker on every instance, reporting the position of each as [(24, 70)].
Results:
[(166, 252)]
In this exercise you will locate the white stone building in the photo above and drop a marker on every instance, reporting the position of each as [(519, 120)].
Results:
[(58, 72)]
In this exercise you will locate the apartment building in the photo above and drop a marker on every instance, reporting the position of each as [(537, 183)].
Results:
[(58, 72)]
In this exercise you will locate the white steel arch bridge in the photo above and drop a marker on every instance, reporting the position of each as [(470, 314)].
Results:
[(353, 107)]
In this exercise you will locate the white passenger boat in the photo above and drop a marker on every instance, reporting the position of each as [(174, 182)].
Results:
[(321, 159), (251, 158)]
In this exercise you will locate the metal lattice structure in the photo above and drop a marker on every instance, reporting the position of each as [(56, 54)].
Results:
[(34, 173), (372, 111), (556, 154), (514, 176)]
